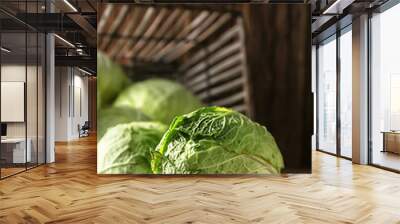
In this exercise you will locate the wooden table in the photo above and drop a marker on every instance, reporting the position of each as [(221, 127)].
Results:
[(391, 141)]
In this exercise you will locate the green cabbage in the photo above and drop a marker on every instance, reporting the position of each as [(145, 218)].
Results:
[(161, 100), (112, 116), (127, 148), (216, 140), (111, 79)]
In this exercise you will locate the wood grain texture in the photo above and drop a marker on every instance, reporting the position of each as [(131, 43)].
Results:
[(70, 191), (278, 50)]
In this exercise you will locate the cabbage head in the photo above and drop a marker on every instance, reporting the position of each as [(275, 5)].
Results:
[(216, 140), (127, 148), (160, 99), (111, 79), (112, 116)]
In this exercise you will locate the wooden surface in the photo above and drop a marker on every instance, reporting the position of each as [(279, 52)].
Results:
[(10, 171), (71, 192), (386, 159), (278, 54)]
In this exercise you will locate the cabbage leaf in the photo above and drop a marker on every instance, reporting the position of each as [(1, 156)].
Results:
[(112, 116), (216, 140), (111, 80), (127, 148), (159, 99)]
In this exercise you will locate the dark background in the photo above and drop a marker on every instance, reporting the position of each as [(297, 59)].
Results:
[(278, 44)]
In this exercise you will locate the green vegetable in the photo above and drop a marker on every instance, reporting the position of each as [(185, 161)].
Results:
[(215, 140), (159, 99), (112, 116), (111, 79), (126, 148)]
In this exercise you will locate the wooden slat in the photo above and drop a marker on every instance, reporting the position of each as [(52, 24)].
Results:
[(198, 21), (225, 64), (108, 22), (242, 108), (170, 21), (212, 92), (200, 36), (214, 59), (116, 22), (215, 26), (228, 101), (192, 38), (210, 49), (229, 62), (138, 31), (160, 33), (126, 29), (171, 32), (150, 31), (199, 82), (214, 78), (104, 18), (226, 51)]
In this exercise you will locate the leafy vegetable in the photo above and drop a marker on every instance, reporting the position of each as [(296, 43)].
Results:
[(111, 79), (112, 116), (126, 148), (215, 140), (159, 99)]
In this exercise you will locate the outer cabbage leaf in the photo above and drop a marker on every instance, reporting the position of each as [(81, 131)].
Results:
[(127, 148), (216, 140), (161, 100), (112, 116), (111, 79)]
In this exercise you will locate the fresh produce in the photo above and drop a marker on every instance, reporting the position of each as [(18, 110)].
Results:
[(111, 79), (215, 140), (127, 148), (160, 99), (112, 116)]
